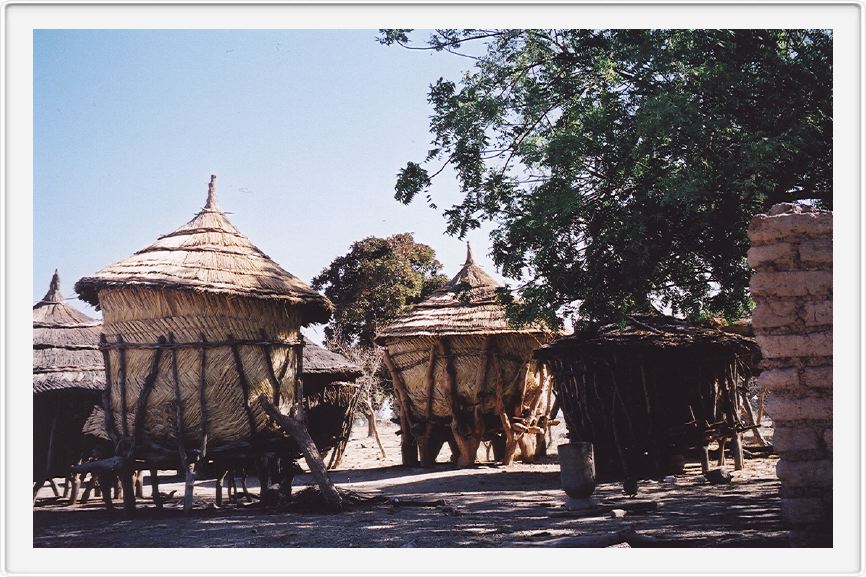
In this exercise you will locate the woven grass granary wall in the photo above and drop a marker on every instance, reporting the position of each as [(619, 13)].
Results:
[(68, 377), (652, 393), (462, 374), (792, 254), (196, 327)]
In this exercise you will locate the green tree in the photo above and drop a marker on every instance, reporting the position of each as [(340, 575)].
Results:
[(376, 281), (621, 167)]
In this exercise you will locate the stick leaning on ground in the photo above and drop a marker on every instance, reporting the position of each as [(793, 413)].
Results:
[(298, 432)]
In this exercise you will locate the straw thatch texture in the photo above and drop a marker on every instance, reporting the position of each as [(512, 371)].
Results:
[(461, 336), (320, 363), (65, 346), (649, 393), (68, 376), (202, 322)]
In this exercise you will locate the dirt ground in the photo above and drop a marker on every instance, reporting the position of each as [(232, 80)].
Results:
[(484, 506)]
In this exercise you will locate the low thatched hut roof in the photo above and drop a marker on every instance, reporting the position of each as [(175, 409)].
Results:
[(65, 346), (320, 362), (466, 305), (650, 331), (208, 254)]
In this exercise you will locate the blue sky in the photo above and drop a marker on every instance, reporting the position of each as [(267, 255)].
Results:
[(305, 129)]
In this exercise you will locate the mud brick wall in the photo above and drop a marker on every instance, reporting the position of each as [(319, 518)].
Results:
[(792, 286)]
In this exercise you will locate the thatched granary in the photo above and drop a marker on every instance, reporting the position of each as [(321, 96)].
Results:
[(197, 326), (68, 377), (652, 391), (330, 396), (463, 374)]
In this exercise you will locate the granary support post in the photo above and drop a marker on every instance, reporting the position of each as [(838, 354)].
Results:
[(408, 445), (467, 444), (428, 459)]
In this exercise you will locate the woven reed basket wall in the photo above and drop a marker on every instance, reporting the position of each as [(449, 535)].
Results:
[(142, 315), (512, 351)]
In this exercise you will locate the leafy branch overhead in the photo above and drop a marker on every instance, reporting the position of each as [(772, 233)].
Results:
[(620, 167)]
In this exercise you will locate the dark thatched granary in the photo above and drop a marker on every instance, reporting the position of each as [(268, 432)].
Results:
[(651, 392), (330, 396), (464, 375), (203, 350), (68, 377)]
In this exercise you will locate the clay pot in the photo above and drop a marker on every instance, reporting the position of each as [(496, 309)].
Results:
[(577, 469)]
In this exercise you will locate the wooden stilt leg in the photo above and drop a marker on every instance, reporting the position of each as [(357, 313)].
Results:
[(737, 450), (247, 497), (408, 444), (219, 488), (467, 445), (154, 488), (705, 459), (128, 486), (722, 441), (89, 485), (54, 487), (428, 459), (106, 482), (66, 486), (189, 487), (74, 486), (36, 487)]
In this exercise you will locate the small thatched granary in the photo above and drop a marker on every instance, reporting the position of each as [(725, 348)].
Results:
[(330, 396), (201, 330), (68, 377), (463, 374), (651, 391)]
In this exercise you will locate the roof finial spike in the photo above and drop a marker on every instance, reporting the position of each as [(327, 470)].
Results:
[(469, 259), (53, 295), (211, 194)]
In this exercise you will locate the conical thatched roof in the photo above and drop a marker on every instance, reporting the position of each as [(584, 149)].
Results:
[(321, 361), (466, 305), (65, 346), (208, 254)]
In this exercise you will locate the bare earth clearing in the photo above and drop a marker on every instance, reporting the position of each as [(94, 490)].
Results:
[(484, 506)]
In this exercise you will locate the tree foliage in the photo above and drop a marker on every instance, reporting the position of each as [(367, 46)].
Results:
[(376, 281), (621, 167)]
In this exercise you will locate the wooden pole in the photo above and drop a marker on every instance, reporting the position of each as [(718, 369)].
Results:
[(408, 446), (202, 356), (428, 459), (187, 464), (121, 383), (154, 488), (296, 429), (297, 409), (245, 385), (106, 392), (467, 445), (480, 378)]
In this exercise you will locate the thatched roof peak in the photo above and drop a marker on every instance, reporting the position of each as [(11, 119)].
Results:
[(471, 277), (467, 304), (53, 295), (211, 195), (208, 254)]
